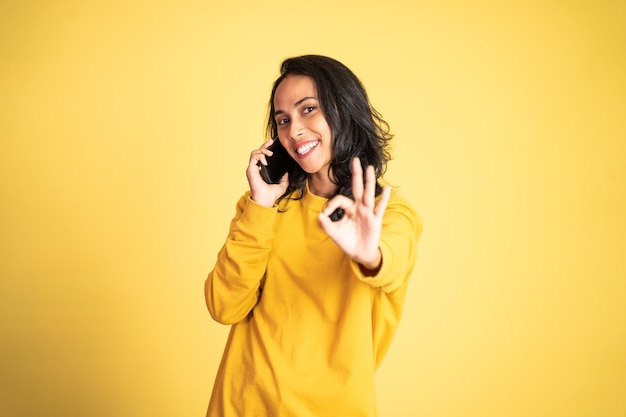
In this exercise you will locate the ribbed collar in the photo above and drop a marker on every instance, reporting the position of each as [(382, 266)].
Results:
[(313, 201)]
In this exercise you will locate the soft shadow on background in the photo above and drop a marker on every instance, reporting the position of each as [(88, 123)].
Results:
[(126, 128)]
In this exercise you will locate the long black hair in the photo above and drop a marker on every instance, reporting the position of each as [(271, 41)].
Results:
[(357, 128)]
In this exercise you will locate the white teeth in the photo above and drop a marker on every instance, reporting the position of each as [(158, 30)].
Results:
[(306, 148)]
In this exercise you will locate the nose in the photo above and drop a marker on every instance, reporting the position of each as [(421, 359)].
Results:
[(296, 128)]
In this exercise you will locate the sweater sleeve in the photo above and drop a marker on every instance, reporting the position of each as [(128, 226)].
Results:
[(232, 287), (401, 230)]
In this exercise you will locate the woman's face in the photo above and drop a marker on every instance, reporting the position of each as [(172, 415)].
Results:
[(302, 126)]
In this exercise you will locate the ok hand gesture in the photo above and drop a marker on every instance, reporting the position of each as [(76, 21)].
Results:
[(358, 231)]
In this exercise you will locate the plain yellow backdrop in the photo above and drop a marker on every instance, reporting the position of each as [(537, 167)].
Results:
[(125, 130)]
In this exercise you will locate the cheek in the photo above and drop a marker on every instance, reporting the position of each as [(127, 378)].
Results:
[(323, 126)]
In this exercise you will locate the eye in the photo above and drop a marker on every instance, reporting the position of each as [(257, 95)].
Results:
[(309, 109), (282, 121)]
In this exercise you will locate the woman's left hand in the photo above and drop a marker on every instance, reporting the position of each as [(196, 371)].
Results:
[(358, 231)]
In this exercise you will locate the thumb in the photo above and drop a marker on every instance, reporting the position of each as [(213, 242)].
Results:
[(326, 223), (284, 181)]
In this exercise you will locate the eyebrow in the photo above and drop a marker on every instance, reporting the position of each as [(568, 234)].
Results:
[(296, 104)]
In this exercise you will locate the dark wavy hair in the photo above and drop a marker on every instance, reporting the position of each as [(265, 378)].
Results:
[(357, 128)]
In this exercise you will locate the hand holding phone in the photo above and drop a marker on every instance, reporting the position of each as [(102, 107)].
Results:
[(277, 164)]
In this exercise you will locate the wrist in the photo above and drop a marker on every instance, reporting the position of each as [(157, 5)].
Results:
[(371, 267), (260, 200)]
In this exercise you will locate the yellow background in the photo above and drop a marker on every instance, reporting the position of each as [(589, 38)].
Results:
[(126, 128)]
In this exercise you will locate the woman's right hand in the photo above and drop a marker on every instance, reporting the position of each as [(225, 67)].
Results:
[(262, 192)]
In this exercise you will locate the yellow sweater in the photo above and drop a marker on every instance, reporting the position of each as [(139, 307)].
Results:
[(308, 328)]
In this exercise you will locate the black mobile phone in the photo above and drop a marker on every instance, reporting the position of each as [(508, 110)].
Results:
[(277, 164)]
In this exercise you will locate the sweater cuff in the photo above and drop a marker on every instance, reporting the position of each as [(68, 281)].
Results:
[(258, 218), (382, 276)]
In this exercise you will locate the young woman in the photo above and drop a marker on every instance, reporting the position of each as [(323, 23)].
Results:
[(314, 302)]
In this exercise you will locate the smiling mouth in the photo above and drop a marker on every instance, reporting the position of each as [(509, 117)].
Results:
[(305, 149)]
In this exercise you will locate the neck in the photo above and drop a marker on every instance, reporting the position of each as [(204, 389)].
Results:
[(322, 186)]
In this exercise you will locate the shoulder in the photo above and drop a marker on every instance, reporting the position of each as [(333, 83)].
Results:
[(400, 210)]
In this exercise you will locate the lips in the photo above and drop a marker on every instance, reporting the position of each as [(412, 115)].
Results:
[(304, 148)]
